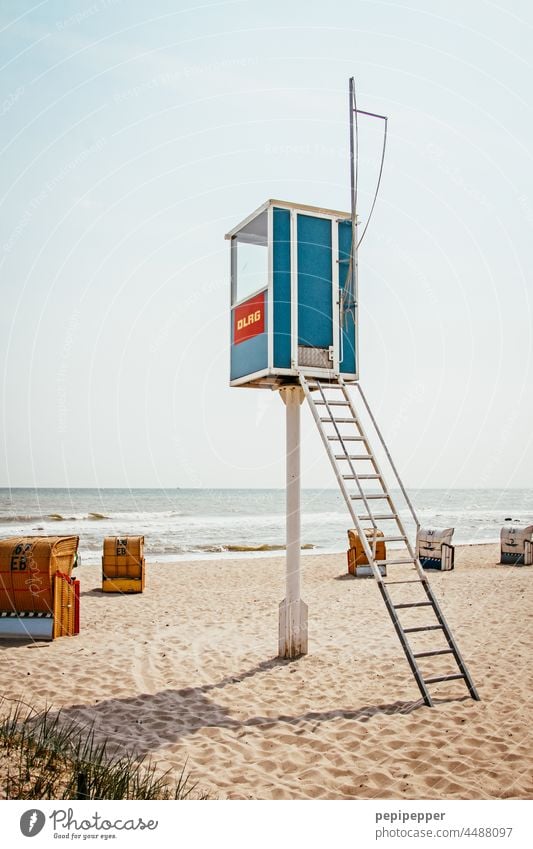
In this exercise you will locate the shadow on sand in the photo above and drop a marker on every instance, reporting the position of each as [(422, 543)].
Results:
[(170, 715)]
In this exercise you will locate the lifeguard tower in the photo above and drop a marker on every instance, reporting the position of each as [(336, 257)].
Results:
[(294, 329)]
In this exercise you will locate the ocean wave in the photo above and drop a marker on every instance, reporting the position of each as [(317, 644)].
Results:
[(179, 553), (21, 519), (238, 548)]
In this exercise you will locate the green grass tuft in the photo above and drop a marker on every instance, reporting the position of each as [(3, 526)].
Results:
[(44, 756)]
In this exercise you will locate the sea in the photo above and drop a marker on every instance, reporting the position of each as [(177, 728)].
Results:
[(187, 524)]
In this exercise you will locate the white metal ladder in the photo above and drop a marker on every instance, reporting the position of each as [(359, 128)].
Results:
[(354, 463)]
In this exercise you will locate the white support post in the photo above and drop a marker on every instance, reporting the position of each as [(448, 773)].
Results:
[(292, 610)]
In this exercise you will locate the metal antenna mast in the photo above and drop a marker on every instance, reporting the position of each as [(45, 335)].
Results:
[(350, 300)]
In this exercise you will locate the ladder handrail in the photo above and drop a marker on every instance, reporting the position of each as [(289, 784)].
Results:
[(412, 550), (387, 452)]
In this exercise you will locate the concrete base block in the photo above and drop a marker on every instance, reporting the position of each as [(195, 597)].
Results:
[(292, 629)]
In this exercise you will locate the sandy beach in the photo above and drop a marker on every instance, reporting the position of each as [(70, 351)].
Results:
[(187, 673)]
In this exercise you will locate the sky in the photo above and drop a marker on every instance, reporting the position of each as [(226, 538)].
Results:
[(134, 135)]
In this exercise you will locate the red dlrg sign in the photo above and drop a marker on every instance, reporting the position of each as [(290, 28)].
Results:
[(249, 319)]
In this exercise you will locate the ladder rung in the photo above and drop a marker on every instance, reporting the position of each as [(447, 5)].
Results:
[(379, 516), (342, 438), (412, 581), (454, 677), (433, 653), (423, 628), (353, 456), (339, 421), (353, 477), (333, 403), (392, 539), (370, 496), (392, 562), (369, 477), (413, 604)]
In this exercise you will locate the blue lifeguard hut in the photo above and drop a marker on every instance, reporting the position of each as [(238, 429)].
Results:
[(293, 309)]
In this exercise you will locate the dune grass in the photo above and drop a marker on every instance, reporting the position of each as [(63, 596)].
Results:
[(45, 756)]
